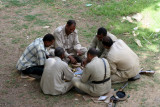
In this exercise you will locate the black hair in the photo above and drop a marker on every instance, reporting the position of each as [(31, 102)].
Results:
[(59, 51), (107, 41), (102, 30), (48, 37), (70, 22), (93, 52)]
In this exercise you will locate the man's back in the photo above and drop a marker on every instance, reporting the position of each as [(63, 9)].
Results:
[(122, 58), (33, 55), (52, 81), (95, 71)]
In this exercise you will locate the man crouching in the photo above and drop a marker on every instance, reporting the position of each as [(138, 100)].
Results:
[(56, 74), (95, 79)]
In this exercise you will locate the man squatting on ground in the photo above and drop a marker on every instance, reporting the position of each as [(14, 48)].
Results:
[(95, 78), (97, 41), (66, 36), (124, 63), (57, 75), (33, 59)]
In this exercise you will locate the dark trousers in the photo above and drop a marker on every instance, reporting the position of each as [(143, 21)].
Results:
[(38, 70)]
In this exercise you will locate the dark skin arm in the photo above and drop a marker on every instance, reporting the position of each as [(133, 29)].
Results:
[(73, 60), (47, 56), (79, 53), (85, 62)]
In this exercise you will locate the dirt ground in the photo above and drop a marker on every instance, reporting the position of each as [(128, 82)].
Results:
[(16, 32)]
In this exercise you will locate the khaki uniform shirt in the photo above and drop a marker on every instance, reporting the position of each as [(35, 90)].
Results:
[(69, 42), (52, 81), (98, 44), (94, 71), (123, 61)]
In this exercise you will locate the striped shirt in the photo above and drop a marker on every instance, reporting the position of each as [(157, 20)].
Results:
[(34, 55)]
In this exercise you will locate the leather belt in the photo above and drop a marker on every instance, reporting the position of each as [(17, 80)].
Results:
[(99, 82)]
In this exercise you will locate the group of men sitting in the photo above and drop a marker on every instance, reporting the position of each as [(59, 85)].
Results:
[(108, 60)]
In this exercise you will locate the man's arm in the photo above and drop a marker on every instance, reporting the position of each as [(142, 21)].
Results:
[(67, 72), (85, 75), (41, 57), (58, 42), (77, 45), (104, 53), (94, 43), (113, 66)]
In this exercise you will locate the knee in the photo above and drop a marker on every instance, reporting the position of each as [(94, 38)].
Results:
[(84, 49), (75, 81)]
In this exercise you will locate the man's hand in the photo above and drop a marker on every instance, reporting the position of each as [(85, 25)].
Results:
[(47, 56), (79, 53), (84, 62), (73, 60)]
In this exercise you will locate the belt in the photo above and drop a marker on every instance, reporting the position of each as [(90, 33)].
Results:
[(99, 82)]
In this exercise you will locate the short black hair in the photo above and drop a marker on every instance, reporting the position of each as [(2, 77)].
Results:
[(107, 41), (92, 51), (70, 22), (48, 37), (59, 51), (102, 30)]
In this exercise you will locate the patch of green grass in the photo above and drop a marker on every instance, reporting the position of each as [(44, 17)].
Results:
[(16, 40), (144, 99), (17, 3), (17, 27), (131, 86), (25, 26), (48, 1), (19, 11), (30, 17), (21, 95), (11, 83), (114, 10), (13, 21), (6, 17), (23, 45), (4, 91), (156, 78), (41, 22)]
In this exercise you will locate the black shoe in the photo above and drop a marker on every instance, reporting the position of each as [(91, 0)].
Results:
[(138, 76), (35, 76)]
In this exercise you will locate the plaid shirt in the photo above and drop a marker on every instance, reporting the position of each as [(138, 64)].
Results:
[(34, 55)]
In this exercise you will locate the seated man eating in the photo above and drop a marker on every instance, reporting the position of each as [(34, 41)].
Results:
[(95, 78), (33, 59), (57, 75), (97, 41), (66, 36), (124, 63)]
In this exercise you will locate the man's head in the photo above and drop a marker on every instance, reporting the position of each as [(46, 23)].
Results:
[(92, 52), (107, 42), (59, 52), (48, 40), (70, 26), (101, 33)]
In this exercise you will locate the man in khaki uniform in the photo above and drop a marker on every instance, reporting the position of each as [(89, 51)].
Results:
[(124, 63), (97, 41), (67, 37), (55, 74), (95, 78)]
